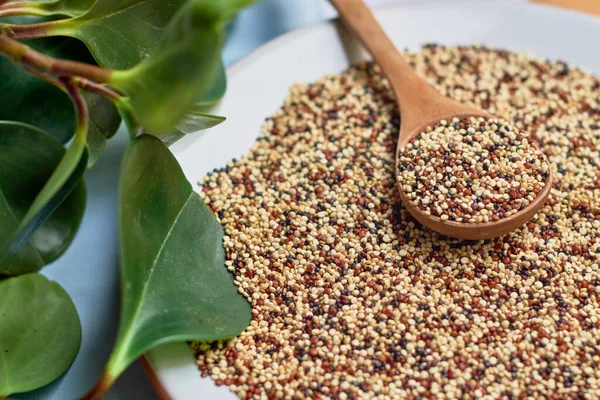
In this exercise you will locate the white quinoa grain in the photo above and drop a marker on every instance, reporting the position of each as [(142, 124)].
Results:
[(353, 299)]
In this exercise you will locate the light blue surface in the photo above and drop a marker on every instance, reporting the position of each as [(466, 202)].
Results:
[(89, 269)]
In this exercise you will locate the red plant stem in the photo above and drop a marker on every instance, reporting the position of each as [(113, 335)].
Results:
[(81, 109), (22, 8), (43, 63), (11, 48), (10, 11), (47, 78), (26, 56), (100, 389), (74, 68), (81, 83), (15, 4), (94, 87), (31, 31)]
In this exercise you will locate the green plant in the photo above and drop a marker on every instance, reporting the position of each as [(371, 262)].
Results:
[(70, 75)]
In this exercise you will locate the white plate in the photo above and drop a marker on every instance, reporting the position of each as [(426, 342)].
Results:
[(259, 83)]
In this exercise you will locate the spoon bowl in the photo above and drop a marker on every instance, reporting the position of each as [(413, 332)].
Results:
[(479, 230), (467, 230), (421, 106)]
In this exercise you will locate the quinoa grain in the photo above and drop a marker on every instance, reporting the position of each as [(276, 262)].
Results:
[(353, 299), (471, 170)]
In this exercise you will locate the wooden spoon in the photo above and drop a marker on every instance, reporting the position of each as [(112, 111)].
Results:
[(422, 106)]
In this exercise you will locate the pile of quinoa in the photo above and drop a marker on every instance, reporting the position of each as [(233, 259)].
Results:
[(471, 170), (353, 299)]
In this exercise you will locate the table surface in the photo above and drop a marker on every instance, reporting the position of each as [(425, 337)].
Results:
[(89, 269)]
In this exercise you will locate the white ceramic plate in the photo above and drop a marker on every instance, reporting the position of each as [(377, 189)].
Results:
[(259, 83)]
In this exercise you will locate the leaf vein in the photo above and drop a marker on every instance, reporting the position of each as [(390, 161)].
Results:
[(158, 254)]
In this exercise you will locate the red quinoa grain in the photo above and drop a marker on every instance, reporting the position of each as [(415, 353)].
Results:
[(472, 170), (353, 299)]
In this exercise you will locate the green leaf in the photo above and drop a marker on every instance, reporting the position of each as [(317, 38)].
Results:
[(40, 333), (175, 286), (104, 123), (29, 99), (184, 69), (164, 86), (123, 104), (26, 98), (215, 87), (120, 33), (195, 120), (28, 157), (64, 178)]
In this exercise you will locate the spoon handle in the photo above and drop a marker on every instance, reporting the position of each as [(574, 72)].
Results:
[(404, 80)]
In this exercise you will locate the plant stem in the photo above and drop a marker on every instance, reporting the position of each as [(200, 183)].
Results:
[(65, 168), (102, 90), (18, 4), (81, 109), (31, 31), (37, 64), (47, 78), (33, 7), (7, 12), (25, 8), (81, 83), (23, 54), (79, 69), (100, 388)]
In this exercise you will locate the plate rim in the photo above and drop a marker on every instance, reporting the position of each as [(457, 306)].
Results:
[(151, 357)]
